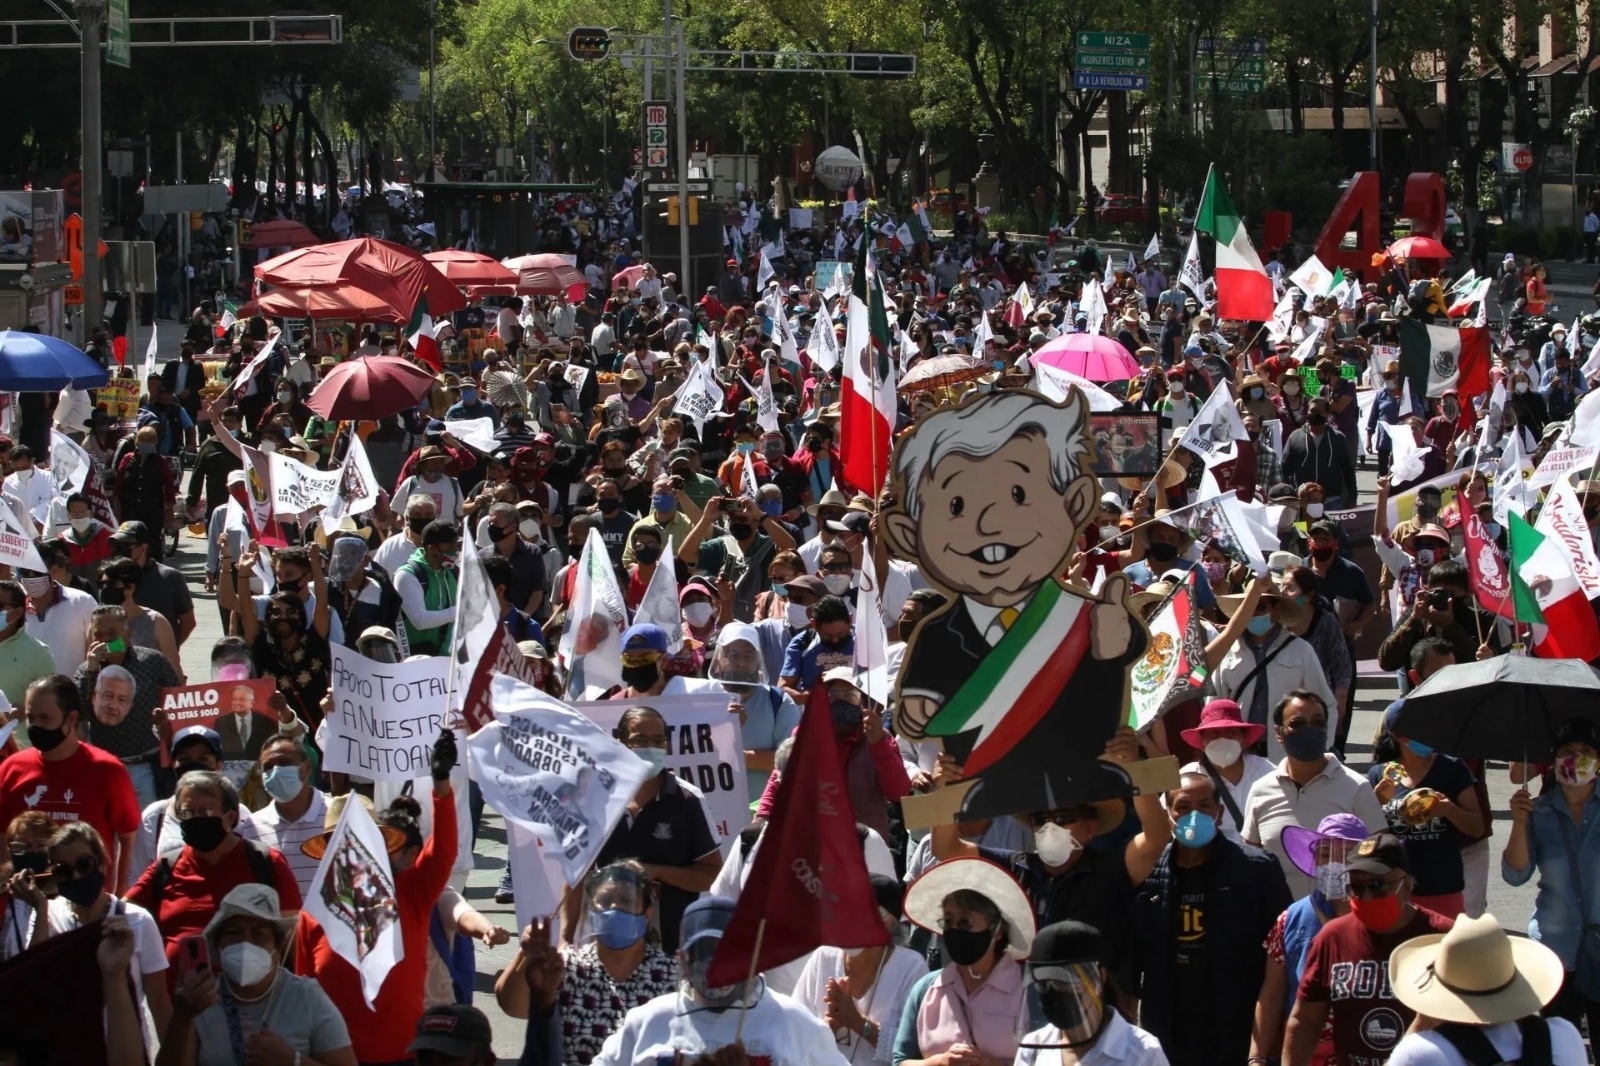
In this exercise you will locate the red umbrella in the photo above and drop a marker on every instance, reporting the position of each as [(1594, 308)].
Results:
[(471, 268), (370, 387), (280, 233), (1418, 248), (325, 301), (546, 275), (1089, 355), (391, 272)]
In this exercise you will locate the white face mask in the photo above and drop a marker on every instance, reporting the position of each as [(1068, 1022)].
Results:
[(797, 616), (246, 964), (838, 584), (82, 525), (529, 528), (1331, 880), (697, 614), (1055, 844), (1223, 751), (268, 446), (1175, 388), (1313, 510), (1522, 386), (1109, 534)]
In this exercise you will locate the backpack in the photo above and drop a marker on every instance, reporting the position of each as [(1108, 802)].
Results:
[(1471, 1043), (260, 860)]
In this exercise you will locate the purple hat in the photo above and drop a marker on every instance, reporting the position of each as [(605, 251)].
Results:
[(1300, 843)]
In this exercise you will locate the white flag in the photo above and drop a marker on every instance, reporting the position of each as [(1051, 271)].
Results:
[(1282, 317), (358, 487), (1561, 519), (1190, 276), (253, 367), (981, 336), (823, 347), (701, 396), (552, 770), (765, 273), (872, 638), (1093, 306), (1215, 427), (353, 898), (1312, 277), (1053, 383), (298, 488), (1409, 456), (1511, 491), (766, 406), (69, 463), (1153, 249), (1131, 268), (660, 603), (477, 620), (591, 644), (149, 356)]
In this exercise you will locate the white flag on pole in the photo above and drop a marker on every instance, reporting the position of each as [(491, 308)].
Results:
[(591, 644), (1094, 308), (766, 406), (149, 356), (660, 602), (358, 487), (1191, 276), (823, 347), (1312, 277), (353, 899), (872, 638), (1215, 427), (253, 367), (700, 395), (69, 463), (1153, 249), (765, 273), (1055, 384)]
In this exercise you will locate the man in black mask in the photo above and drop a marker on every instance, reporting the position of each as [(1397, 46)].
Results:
[(195, 747), (1067, 969)]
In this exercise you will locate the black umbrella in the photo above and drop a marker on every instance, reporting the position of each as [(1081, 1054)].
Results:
[(1507, 707)]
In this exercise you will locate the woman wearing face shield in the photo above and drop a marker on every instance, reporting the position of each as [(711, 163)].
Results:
[(861, 992), (969, 1011), (1067, 968), (622, 967)]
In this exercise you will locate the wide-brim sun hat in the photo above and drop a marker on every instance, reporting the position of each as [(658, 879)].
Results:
[(1290, 613), (1222, 714), (1475, 974), (925, 898), (315, 847), (1300, 843)]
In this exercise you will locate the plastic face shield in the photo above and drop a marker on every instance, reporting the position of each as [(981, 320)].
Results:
[(1073, 999)]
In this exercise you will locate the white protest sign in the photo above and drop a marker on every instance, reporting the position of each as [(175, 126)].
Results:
[(477, 432), (358, 487), (385, 717), (69, 463), (1559, 462), (1215, 428), (298, 488), (576, 375), (705, 747), (16, 546), (766, 406)]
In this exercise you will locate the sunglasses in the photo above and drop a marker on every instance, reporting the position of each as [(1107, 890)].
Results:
[(1372, 889), (1061, 818), (84, 866)]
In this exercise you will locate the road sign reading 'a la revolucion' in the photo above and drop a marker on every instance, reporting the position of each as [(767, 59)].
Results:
[(1107, 60)]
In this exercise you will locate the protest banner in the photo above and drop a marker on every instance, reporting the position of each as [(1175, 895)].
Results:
[(237, 710), (1559, 462), (16, 545), (705, 747), (385, 717), (832, 272), (298, 488)]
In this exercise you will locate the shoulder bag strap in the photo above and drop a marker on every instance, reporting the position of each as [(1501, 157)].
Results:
[(1471, 1044), (1261, 666), (1222, 791)]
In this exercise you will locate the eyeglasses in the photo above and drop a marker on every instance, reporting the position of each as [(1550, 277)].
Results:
[(1373, 889), (646, 742), (86, 864), (963, 924), (186, 813)]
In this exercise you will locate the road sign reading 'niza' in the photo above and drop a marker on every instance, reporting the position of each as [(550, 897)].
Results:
[(119, 43), (1107, 60), (1126, 42)]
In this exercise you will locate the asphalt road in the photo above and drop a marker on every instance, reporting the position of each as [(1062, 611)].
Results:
[(1570, 284)]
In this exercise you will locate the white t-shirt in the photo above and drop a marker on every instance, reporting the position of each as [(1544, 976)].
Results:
[(446, 493), (1255, 768), (1431, 1049), (297, 1009), (64, 629), (777, 1030), (394, 552), (1121, 1042)]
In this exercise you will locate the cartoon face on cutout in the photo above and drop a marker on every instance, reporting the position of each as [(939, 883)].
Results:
[(992, 495)]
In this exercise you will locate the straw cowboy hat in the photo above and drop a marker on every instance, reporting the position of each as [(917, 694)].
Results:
[(1475, 974), (313, 847), (1290, 613), (925, 898)]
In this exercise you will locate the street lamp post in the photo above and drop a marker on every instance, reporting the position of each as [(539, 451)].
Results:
[(1372, 89), (91, 16), (432, 7)]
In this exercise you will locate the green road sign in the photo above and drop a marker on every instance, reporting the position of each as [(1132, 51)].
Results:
[(118, 50), (1101, 60), (1122, 42)]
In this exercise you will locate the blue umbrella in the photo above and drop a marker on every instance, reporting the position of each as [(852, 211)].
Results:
[(33, 362)]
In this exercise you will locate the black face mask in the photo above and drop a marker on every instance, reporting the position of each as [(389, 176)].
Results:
[(417, 525), (647, 553), (847, 716), (640, 678), (291, 585), (1163, 553), (82, 890), (46, 739), (966, 947), (111, 595), (203, 833), (1316, 418), (188, 767), (741, 530), (609, 505), (832, 645), (499, 533)]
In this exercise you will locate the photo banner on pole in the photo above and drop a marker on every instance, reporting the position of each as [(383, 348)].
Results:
[(386, 716), (705, 747)]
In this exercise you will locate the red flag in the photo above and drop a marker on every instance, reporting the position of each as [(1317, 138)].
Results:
[(809, 885), (1491, 579), (119, 348), (502, 656), (1473, 363)]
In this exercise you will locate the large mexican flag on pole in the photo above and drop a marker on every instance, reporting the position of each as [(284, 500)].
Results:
[(1244, 291), (867, 403), (1546, 592)]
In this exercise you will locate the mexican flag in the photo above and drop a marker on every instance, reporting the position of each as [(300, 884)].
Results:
[(867, 402), (1474, 293), (1546, 592), (1174, 668), (921, 228), (1435, 358), (230, 315), (1244, 291), (419, 331)]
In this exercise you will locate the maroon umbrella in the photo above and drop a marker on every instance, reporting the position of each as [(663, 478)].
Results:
[(393, 273), (370, 387), (281, 233)]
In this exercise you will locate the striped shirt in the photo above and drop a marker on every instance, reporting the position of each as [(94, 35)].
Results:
[(268, 828)]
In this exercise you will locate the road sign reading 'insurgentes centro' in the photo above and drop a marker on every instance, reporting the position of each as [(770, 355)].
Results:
[(1108, 60)]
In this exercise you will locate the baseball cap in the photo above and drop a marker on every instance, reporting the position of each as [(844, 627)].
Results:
[(1282, 491), (847, 674), (706, 916), (808, 583), (1055, 947), (131, 533), (644, 636), (193, 732), (453, 1029), (852, 522), (1379, 854)]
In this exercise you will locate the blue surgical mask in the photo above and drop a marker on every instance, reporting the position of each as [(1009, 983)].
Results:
[(772, 508), (656, 757), (469, 395), (746, 447), (1259, 624), (1491, 530), (1194, 830), (664, 503), (1419, 749), (282, 783), (618, 929)]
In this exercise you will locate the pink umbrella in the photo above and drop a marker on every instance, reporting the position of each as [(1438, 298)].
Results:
[(628, 276), (1089, 355), (546, 275)]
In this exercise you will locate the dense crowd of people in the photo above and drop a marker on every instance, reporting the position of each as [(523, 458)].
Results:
[(1278, 904)]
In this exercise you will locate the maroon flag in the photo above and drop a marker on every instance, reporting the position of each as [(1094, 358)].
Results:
[(502, 656), (808, 886), (1491, 577)]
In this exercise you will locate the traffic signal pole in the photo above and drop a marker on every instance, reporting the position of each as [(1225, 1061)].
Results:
[(91, 16), (685, 278)]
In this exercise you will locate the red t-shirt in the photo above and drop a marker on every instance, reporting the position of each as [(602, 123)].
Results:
[(1347, 967), (195, 889), (91, 785), (382, 1032)]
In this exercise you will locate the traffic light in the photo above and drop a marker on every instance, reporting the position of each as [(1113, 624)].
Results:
[(589, 43), (694, 210), (672, 216), (882, 65), (244, 232), (672, 210)]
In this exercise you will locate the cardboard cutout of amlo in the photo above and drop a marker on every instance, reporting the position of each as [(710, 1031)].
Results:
[(1022, 676)]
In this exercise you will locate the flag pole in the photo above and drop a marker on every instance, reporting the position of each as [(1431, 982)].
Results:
[(744, 1000)]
